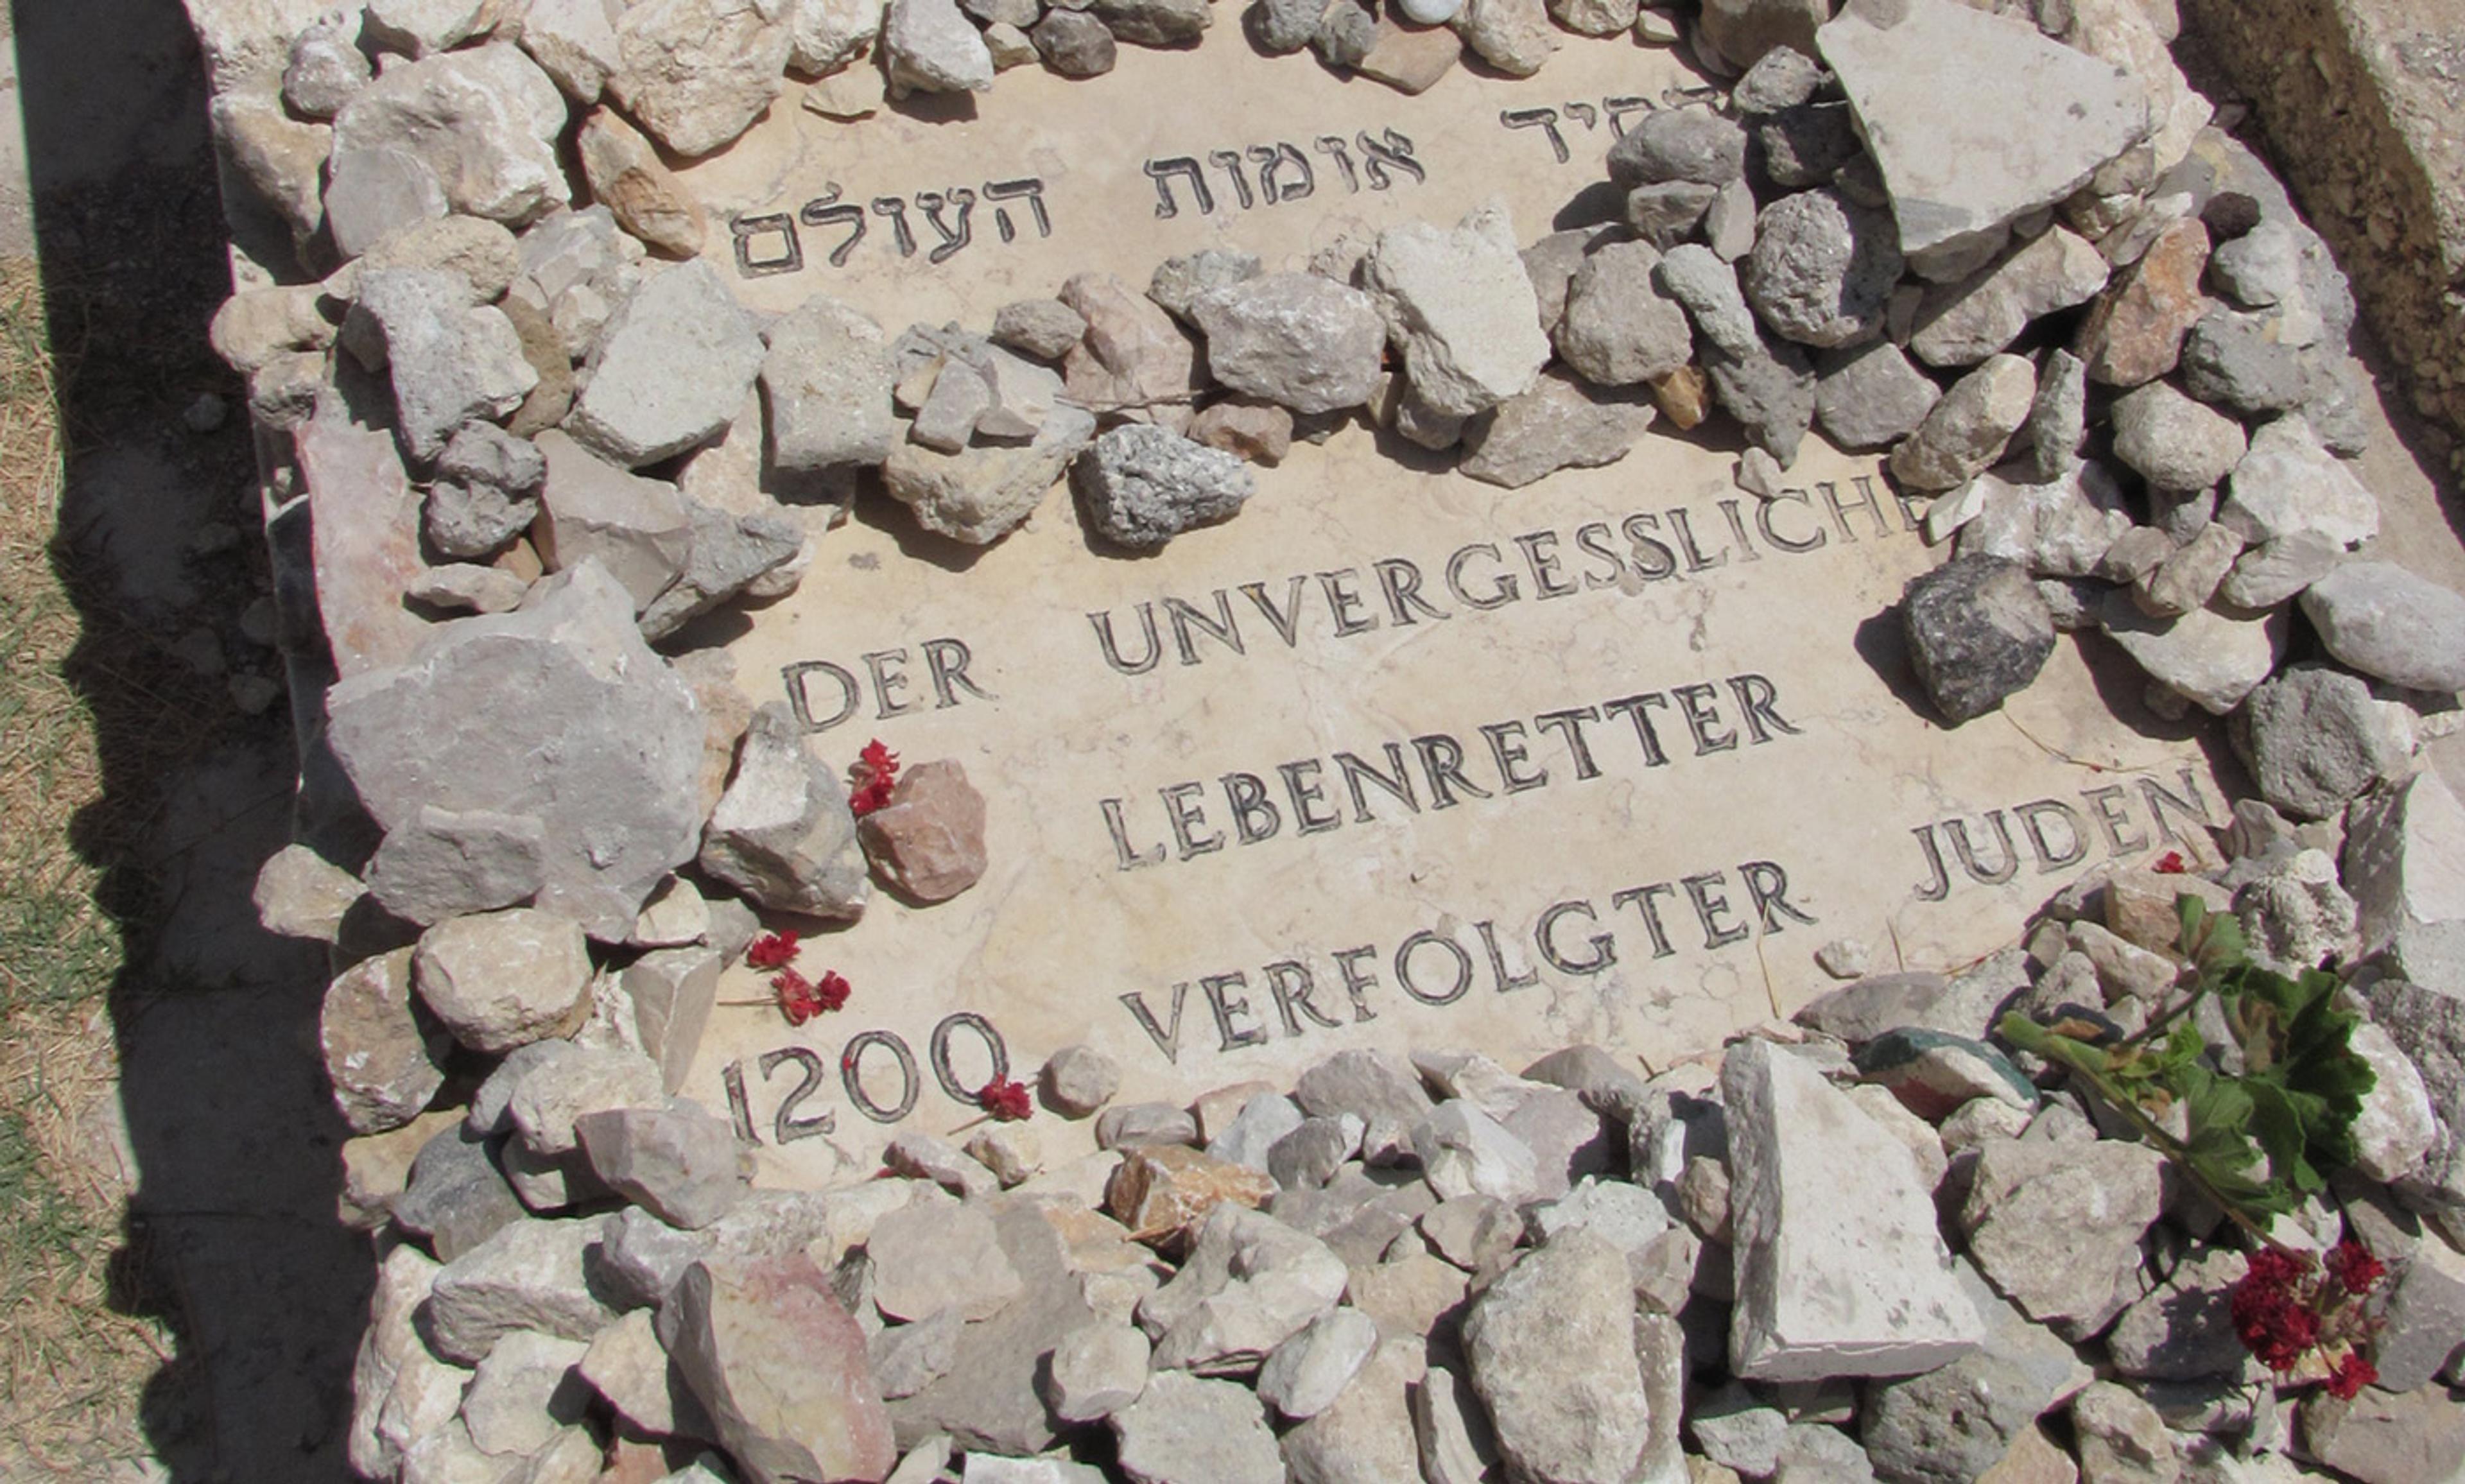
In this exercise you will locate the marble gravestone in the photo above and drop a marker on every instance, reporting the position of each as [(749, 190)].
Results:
[(1393, 759)]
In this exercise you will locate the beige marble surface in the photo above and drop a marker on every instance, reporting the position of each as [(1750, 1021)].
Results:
[(1089, 143), (1070, 933)]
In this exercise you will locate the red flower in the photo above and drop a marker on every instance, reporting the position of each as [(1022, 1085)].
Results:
[(832, 993), (2352, 1374), (2170, 864), (772, 951), (875, 774), (1006, 1100), (2269, 1315), (2350, 1263), (798, 999)]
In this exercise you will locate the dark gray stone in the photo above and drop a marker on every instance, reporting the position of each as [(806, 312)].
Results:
[(1142, 486), (1977, 632), (1693, 143)]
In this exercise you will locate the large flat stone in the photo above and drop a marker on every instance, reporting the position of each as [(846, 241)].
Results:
[(1839, 1268), (1954, 104)]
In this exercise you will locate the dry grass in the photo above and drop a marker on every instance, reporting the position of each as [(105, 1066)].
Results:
[(71, 1368)]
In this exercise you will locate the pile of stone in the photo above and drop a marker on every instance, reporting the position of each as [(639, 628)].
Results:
[(1871, 1244)]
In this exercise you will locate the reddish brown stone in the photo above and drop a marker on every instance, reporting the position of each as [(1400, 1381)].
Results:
[(1161, 1191), (384, 1052), (2135, 333), (1259, 432), (928, 842), (1684, 396), (781, 1370)]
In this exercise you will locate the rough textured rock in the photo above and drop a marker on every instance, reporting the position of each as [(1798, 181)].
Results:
[(500, 979), (383, 1054), (1075, 45), (1692, 144), (557, 711), (638, 529), (454, 1196), (1306, 1373), (1097, 1371), (2383, 1438), (1133, 359), (1077, 1081), (1822, 269), (928, 842), (2204, 656), (1258, 432), (1978, 632), (980, 494), (2401, 863), (573, 41), (1249, 1283), (1515, 37), (781, 1369), (1557, 425), (1743, 30), (669, 370), (2173, 442), (1954, 1423), (439, 864), (482, 125), (1045, 328), (2314, 740), (2385, 622), (783, 833), (2183, 1330), (1461, 308), (932, 47), (450, 361), (1885, 1301), (1953, 101), (2123, 1440), (300, 894), (1141, 485), (678, 1162), (1293, 339), (1551, 1345), (2135, 333), (1618, 328), (1967, 431), (2289, 484), (1962, 323), (2057, 1227), (627, 176), (1871, 397), (528, 1275), (697, 73), (1187, 1431)]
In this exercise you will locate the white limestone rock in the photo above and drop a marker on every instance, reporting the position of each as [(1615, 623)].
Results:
[(1460, 307), (440, 864), (1186, 1430), (1953, 102), (1303, 1376), (2388, 623), (300, 894), (669, 370), (498, 980), (697, 73), (529, 1275), (451, 361), (558, 710), (783, 833), (2057, 1227), (2289, 484), (1551, 1345), (1250, 1282), (1097, 1371), (2204, 656), (1295, 339), (2405, 864), (680, 1162), (1839, 1268), (1963, 323), (825, 385), (483, 122), (574, 42), (932, 47)]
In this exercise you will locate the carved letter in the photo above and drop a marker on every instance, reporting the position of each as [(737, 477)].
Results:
[(1333, 146), (791, 252), (930, 203), (1394, 150), (1031, 187), (1546, 120), (1229, 161), (896, 209), (1269, 158), (1161, 172), (823, 210)]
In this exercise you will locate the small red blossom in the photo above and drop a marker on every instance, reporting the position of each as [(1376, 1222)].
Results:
[(2352, 1374), (798, 999), (772, 951), (830, 993), (2170, 864), (1006, 1100), (875, 774), (2351, 1264)]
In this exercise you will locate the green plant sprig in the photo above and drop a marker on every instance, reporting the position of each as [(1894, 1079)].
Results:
[(2256, 1142)]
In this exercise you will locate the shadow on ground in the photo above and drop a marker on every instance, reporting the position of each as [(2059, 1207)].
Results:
[(232, 1233)]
